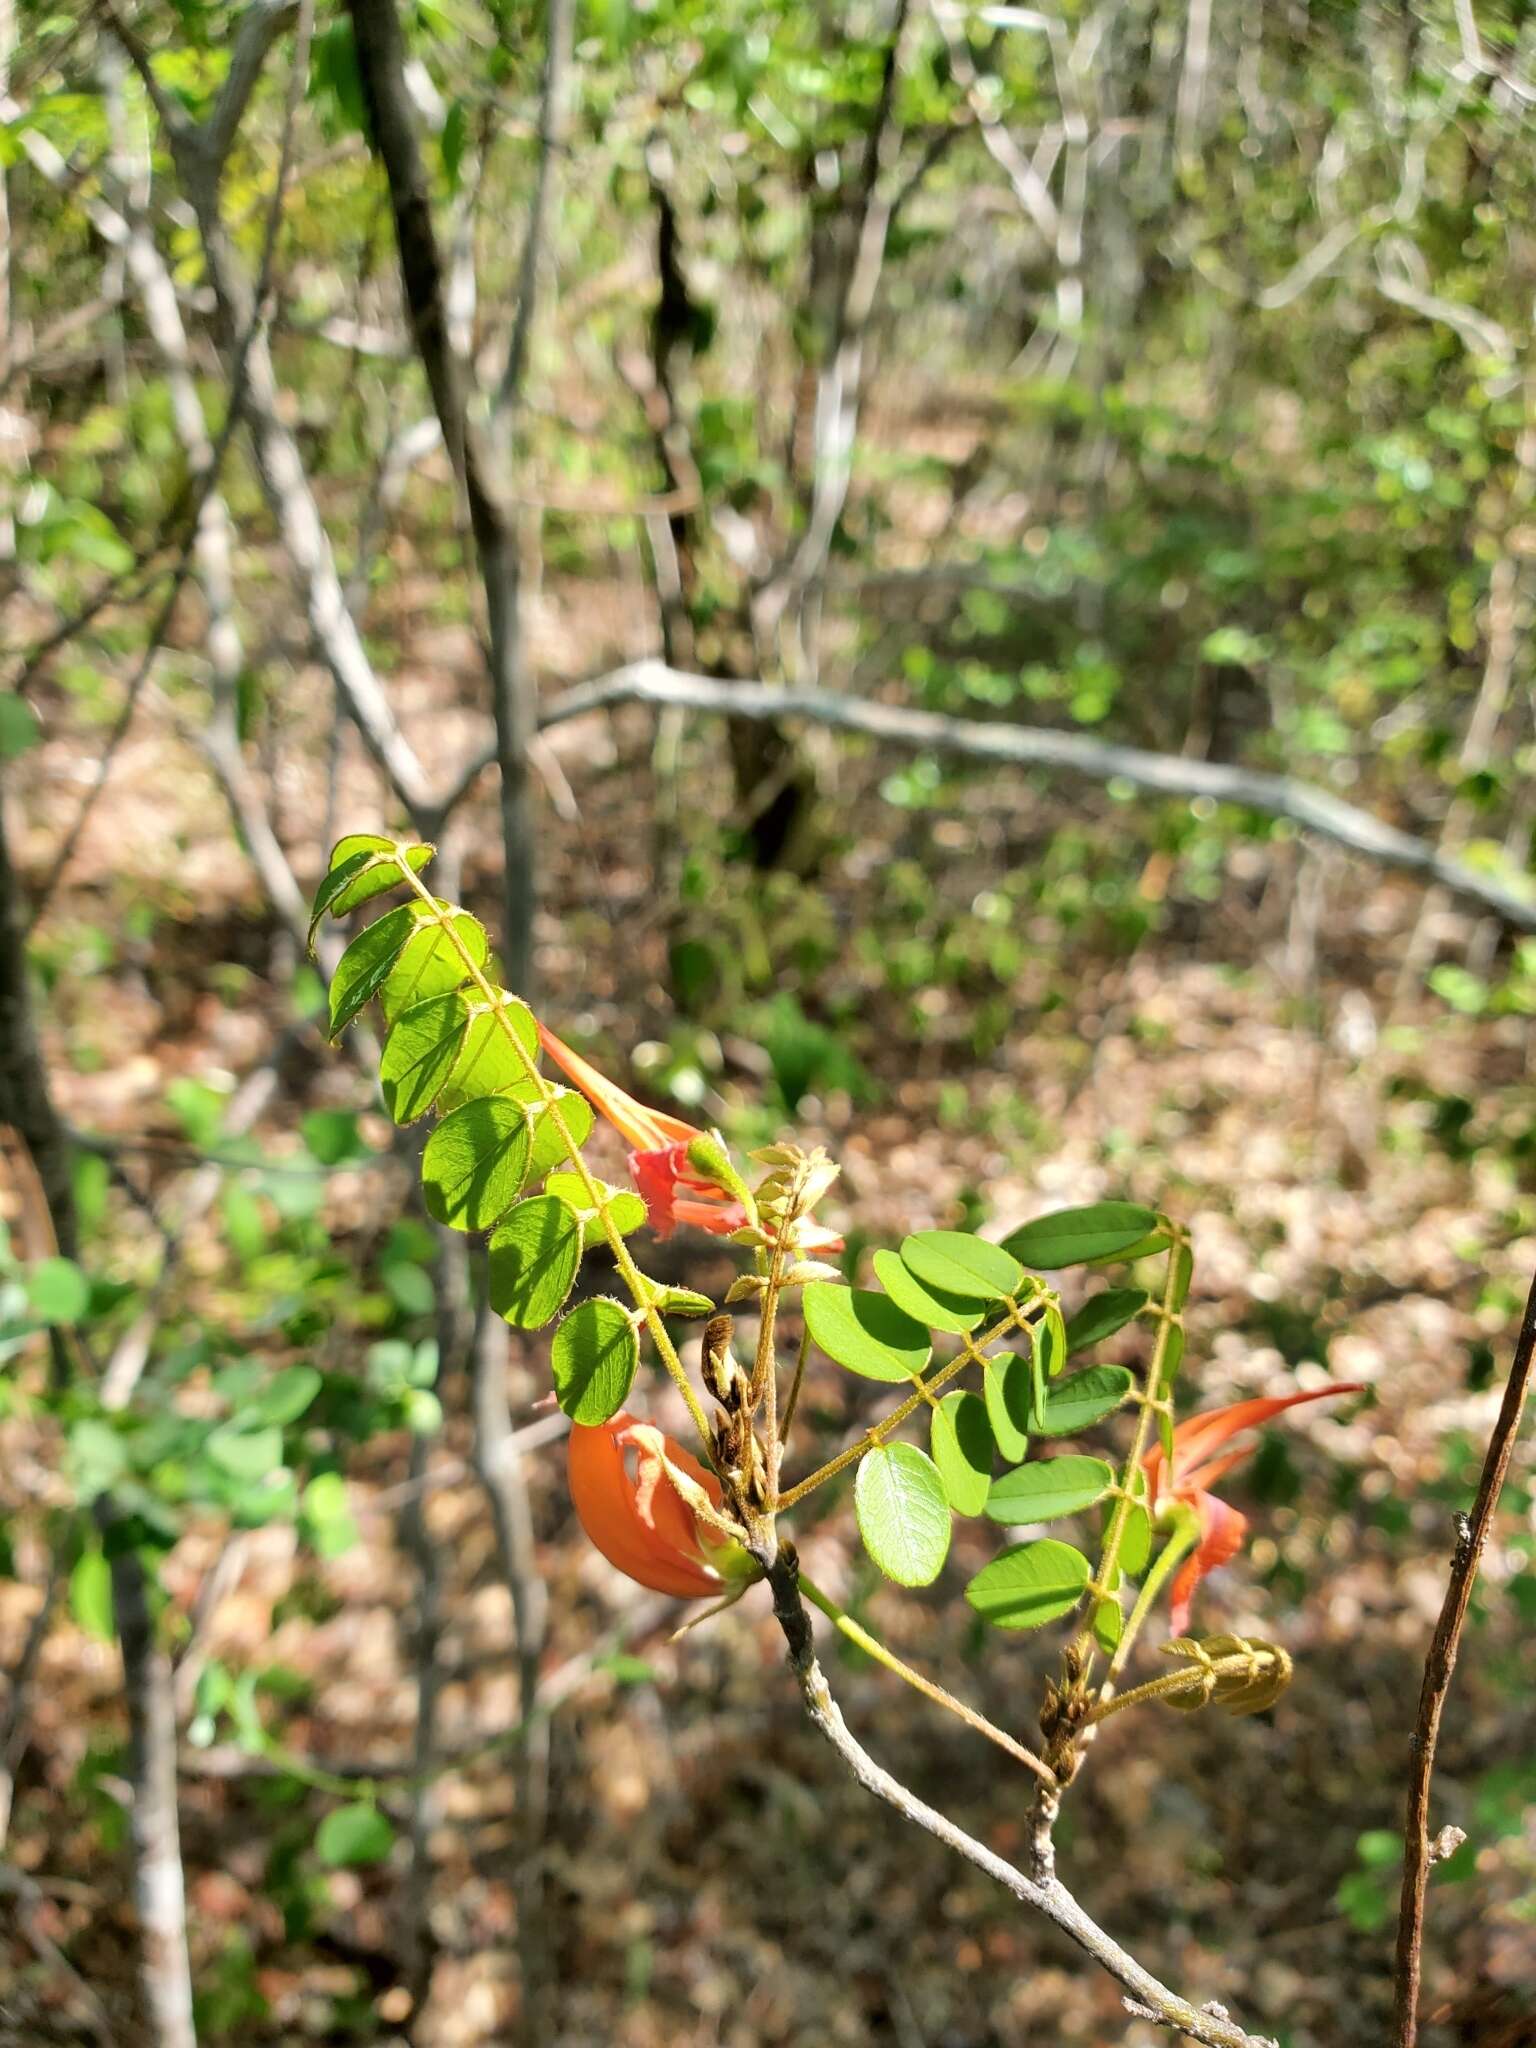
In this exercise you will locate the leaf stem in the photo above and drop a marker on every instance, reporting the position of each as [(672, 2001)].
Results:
[(872, 1646)]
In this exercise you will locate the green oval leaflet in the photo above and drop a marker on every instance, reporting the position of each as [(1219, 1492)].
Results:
[(930, 1306), (865, 1332), (903, 1513), (549, 1149), (367, 963), (488, 1064), (1108, 1624), (594, 1357), (362, 865), (1077, 1403), (1071, 1237), (1030, 1584), (961, 1442), (1048, 1488), (955, 1262), (354, 1835), (419, 1054), (533, 1256), (1104, 1315), (1008, 1388), (430, 962), (474, 1163)]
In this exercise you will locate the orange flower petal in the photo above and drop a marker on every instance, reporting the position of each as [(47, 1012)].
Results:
[(1222, 1530), (658, 1546), (648, 1130)]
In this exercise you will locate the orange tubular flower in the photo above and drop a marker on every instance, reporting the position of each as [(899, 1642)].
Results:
[(1195, 1471), (636, 1518), (673, 1191)]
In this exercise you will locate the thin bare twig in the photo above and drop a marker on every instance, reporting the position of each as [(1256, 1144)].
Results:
[(1472, 1540)]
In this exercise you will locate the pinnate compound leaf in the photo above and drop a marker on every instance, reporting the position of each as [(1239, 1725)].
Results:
[(1009, 1391), (903, 1513), (1030, 1584), (931, 1306), (957, 1263), (362, 865), (367, 963), (594, 1356), (534, 1255), (1077, 1403), (419, 1054), (354, 1835), (865, 1332), (961, 1440), (1047, 1488), (1102, 1230), (1104, 1315), (474, 1163)]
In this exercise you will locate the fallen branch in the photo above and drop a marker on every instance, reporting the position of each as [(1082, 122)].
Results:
[(1278, 796), (1438, 1667)]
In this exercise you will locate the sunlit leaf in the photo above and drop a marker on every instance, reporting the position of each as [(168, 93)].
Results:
[(1009, 1393), (903, 1513), (58, 1291), (930, 1306), (365, 966), (865, 1332), (246, 1453), (1030, 1584), (1048, 1488), (594, 1357), (363, 864), (1072, 1236), (957, 1263), (1103, 1315), (354, 1835), (961, 1440), (488, 1061), (533, 1257), (473, 1165), (626, 1209), (1108, 1624), (285, 1398), (432, 960), (419, 1054), (1077, 1403), (549, 1148)]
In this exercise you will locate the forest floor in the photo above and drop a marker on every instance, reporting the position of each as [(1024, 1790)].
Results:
[(1345, 1156)]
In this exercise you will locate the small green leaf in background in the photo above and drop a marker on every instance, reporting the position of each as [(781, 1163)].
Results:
[(864, 1331), (1029, 1585), (1070, 1237), (90, 1595), (246, 1453), (1103, 1316), (285, 1398), (353, 1835), (534, 1255), (474, 1163), (903, 1513), (957, 1263), (1049, 1487), (58, 1291), (1077, 1403), (930, 1306), (19, 728), (962, 1446), (332, 1136), (327, 1516), (594, 1357), (97, 1457), (1009, 1390)]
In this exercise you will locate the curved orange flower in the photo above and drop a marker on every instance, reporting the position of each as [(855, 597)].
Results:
[(635, 1516), (674, 1191), (1195, 1471)]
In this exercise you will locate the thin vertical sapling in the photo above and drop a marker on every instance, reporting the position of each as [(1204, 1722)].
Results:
[(968, 1330)]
